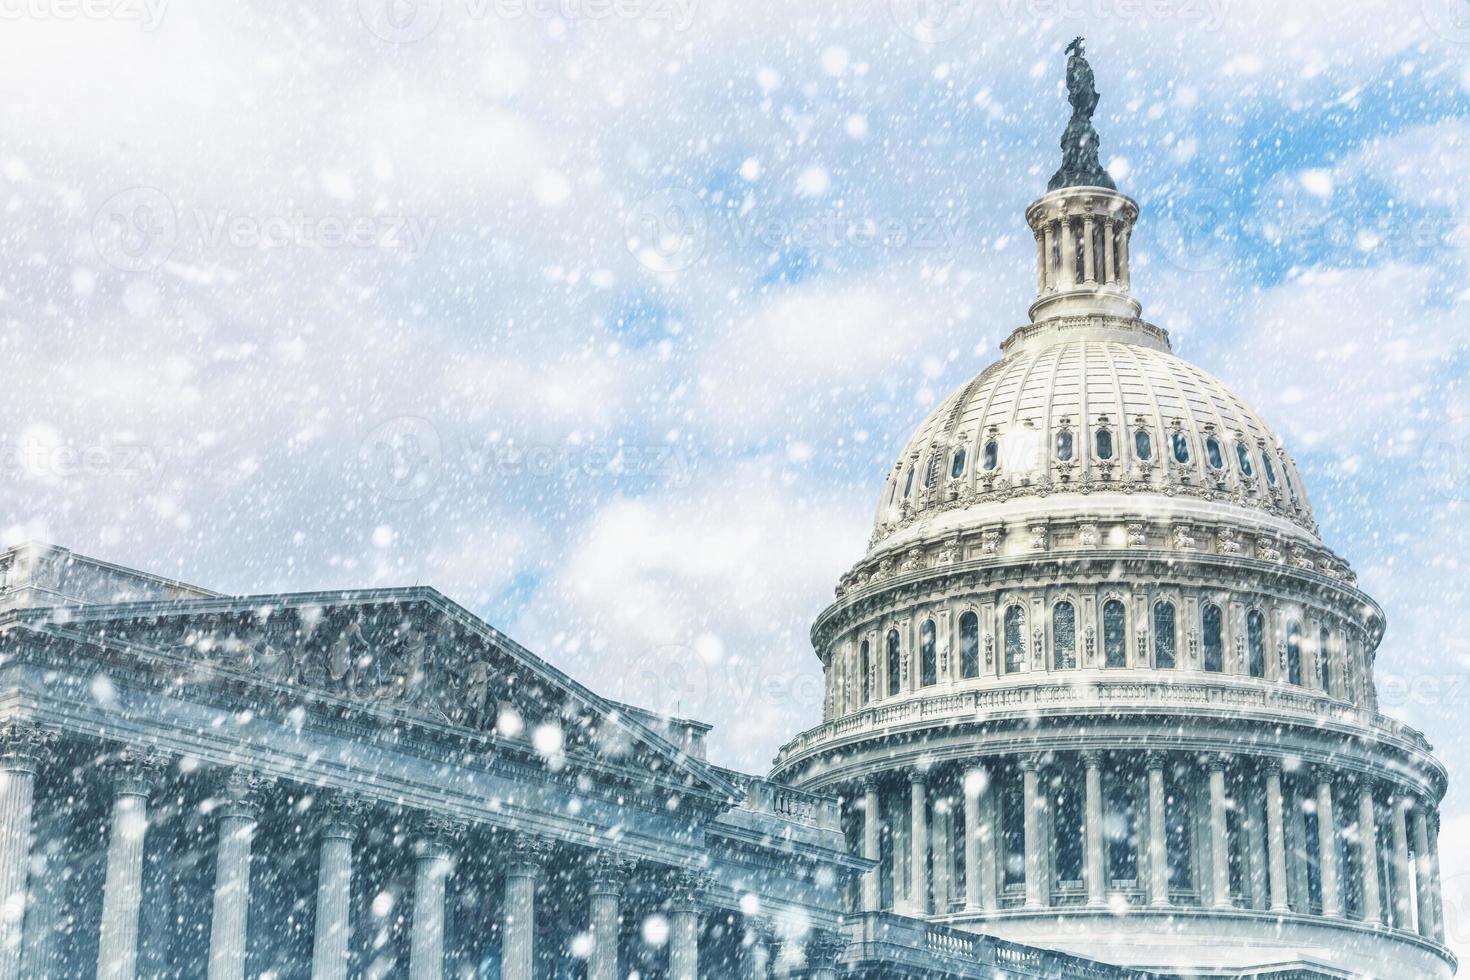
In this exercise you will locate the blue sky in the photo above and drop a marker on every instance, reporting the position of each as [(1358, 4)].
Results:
[(649, 450)]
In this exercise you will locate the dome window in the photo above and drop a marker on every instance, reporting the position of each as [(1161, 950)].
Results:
[(1294, 654), (1015, 640), (1255, 632), (863, 665), (1064, 635), (928, 655), (908, 483), (957, 466), (1214, 640), (970, 645), (1213, 453), (1270, 470), (1115, 635), (1164, 638), (1243, 456), (1104, 444), (894, 667), (1143, 446), (1181, 448), (1324, 647), (990, 459), (1064, 445)]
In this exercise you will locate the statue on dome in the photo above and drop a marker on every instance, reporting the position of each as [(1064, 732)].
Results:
[(1080, 164)]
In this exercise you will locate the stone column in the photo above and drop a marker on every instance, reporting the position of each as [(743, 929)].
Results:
[(1403, 883), (1275, 838), (823, 954), (435, 841), (1048, 236), (1110, 267), (21, 748), (1219, 836), (872, 845), (238, 809), (527, 858), (919, 843), (1434, 887), (1158, 844), (1096, 868), (1327, 845), (684, 927), (1041, 257), (134, 774), (1420, 829), (755, 954), (1368, 854), (975, 781), (1031, 800), (941, 840), (1069, 254), (608, 875), (337, 830), (1089, 260), (1124, 277)]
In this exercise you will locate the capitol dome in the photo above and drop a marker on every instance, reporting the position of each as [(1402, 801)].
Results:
[(1097, 683)]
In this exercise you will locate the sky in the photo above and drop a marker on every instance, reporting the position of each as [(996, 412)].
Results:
[(607, 317)]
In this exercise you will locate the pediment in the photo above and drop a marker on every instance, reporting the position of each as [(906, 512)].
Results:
[(401, 655)]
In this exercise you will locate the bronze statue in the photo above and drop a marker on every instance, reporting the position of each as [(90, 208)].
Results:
[(1080, 164)]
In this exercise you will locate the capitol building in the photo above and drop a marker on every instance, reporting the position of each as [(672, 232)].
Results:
[(1099, 705)]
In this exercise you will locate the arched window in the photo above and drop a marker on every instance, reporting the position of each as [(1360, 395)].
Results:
[(908, 482), (1243, 457), (1143, 446), (957, 465), (1324, 663), (865, 666), (1104, 442), (1270, 469), (1164, 635), (1181, 447), (992, 455), (1064, 445), (894, 666), (1015, 639), (1213, 455), (931, 474), (1064, 635), (1255, 641), (1293, 653), (928, 656), (970, 645), (1211, 622), (1115, 635)]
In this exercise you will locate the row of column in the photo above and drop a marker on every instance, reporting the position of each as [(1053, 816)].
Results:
[(1059, 238), (1414, 879), (135, 774)]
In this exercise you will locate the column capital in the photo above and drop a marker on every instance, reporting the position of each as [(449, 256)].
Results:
[(528, 854), (1271, 766), (1323, 773), (23, 744), (609, 871), (338, 815), (687, 889), (240, 793), (1092, 758), (436, 836), (1030, 762), (136, 771), (1216, 761), (1153, 761), (869, 783), (918, 775)]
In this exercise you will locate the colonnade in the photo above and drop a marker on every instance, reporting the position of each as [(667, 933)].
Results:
[(1098, 243), (1163, 830), (136, 778)]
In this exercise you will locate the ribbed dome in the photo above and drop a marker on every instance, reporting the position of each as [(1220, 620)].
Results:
[(1099, 409)]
